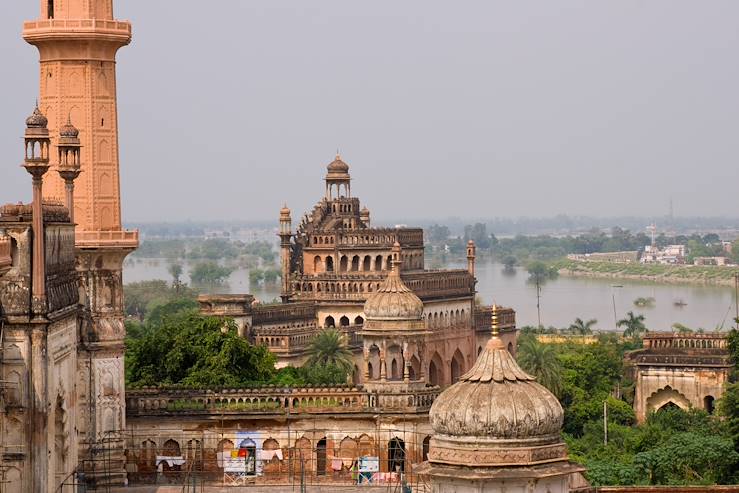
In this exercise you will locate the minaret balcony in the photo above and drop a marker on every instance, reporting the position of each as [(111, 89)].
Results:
[(109, 239), (50, 28)]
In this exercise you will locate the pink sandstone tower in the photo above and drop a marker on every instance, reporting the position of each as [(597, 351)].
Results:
[(77, 42)]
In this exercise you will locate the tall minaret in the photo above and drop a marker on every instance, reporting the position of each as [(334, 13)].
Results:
[(77, 42), (285, 234)]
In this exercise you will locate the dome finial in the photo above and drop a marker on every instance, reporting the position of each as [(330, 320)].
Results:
[(495, 321)]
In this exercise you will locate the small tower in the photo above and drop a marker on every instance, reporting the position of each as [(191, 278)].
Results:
[(69, 162), (364, 216), (285, 234), (394, 335), (37, 164), (337, 177), (471, 257)]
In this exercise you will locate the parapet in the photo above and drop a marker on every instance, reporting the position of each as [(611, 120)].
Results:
[(226, 305)]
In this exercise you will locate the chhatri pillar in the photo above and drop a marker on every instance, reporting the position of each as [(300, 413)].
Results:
[(69, 163)]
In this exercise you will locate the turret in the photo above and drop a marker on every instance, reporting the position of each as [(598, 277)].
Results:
[(364, 216), (285, 234), (337, 177), (471, 257), (69, 162), (36, 162)]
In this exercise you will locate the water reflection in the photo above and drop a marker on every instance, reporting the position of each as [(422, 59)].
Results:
[(562, 299)]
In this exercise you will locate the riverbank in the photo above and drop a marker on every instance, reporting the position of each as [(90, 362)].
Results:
[(668, 274)]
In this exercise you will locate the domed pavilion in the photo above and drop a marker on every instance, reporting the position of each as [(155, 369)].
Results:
[(497, 429), (393, 334)]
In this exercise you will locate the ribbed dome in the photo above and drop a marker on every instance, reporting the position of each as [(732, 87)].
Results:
[(393, 300), (338, 166), (496, 399), (69, 131), (37, 119)]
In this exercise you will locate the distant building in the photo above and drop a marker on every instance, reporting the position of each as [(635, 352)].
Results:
[(671, 254), (711, 261), (625, 257), (683, 370)]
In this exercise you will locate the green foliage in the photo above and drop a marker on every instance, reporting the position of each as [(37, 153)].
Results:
[(142, 297), (328, 348), (324, 375), (704, 274), (644, 302), (540, 361), (209, 273), (175, 270), (582, 328), (689, 458), (633, 325), (540, 272), (182, 347), (728, 407)]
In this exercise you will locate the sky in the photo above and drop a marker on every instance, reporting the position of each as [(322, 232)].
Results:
[(468, 109)]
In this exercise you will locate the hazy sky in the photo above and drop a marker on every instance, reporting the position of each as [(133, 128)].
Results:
[(472, 108)]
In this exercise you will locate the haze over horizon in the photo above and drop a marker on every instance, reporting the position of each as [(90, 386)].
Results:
[(481, 109)]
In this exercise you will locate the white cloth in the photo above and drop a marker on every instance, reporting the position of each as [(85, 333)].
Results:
[(268, 455), (170, 460)]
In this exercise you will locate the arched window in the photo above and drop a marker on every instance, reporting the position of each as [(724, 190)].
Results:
[(396, 455), (344, 321), (355, 263), (426, 446), (50, 9), (378, 263), (344, 264), (366, 263), (457, 366), (330, 322), (321, 457), (329, 264), (317, 264), (708, 404), (358, 320)]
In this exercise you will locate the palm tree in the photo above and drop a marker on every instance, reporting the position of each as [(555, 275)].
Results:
[(328, 347), (582, 328), (540, 360), (634, 325)]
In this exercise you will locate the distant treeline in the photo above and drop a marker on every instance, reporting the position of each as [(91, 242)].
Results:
[(547, 247), (210, 249)]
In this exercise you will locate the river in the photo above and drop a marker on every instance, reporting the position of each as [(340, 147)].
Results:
[(562, 299)]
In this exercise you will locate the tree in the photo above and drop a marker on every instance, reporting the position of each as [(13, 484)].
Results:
[(690, 457), (183, 347), (329, 348), (634, 325), (582, 328), (175, 270), (540, 360), (209, 273), (540, 272), (509, 263), (142, 297), (728, 407)]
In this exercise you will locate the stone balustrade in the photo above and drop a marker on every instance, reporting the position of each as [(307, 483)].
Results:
[(274, 400), (438, 284), (280, 313), (673, 340), (483, 318), (121, 238), (102, 26), (427, 284)]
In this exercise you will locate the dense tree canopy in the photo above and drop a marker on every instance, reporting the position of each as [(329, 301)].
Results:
[(189, 349)]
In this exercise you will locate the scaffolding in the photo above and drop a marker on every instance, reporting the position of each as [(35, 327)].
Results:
[(225, 457)]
